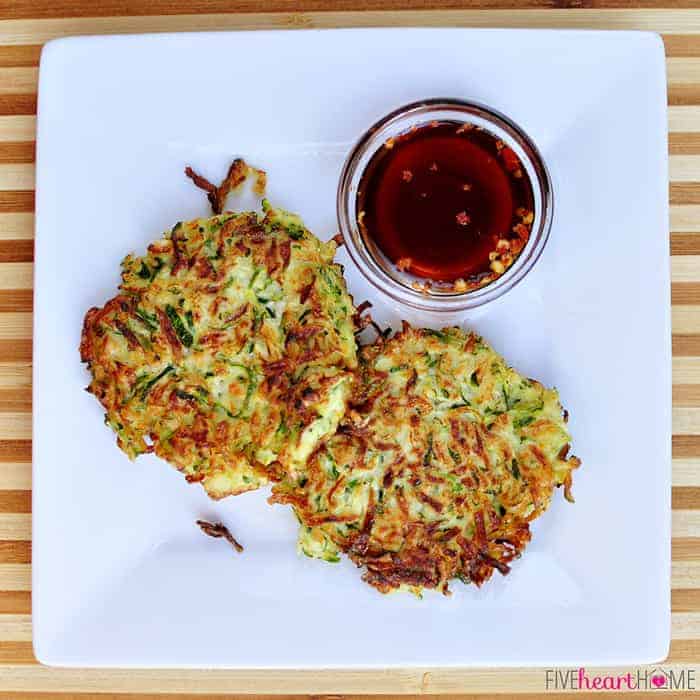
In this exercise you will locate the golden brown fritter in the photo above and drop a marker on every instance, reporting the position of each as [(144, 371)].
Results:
[(444, 458), (229, 350)]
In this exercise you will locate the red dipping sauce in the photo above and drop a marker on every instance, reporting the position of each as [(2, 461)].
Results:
[(448, 202)]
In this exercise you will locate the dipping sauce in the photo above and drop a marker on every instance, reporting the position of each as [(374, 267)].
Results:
[(447, 202)]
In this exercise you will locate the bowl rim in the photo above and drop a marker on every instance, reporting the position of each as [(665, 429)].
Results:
[(468, 111)]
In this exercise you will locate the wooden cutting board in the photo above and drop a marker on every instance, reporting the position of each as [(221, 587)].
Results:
[(26, 24)]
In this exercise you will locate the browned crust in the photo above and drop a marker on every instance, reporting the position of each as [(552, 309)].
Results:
[(168, 331), (89, 323)]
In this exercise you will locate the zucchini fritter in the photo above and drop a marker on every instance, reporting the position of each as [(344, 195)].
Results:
[(444, 458), (229, 350)]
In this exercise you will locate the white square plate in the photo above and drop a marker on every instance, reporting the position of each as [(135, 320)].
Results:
[(123, 577)]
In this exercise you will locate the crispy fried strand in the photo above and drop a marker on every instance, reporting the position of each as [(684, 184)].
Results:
[(219, 530)]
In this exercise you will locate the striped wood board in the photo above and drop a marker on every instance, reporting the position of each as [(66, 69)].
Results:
[(26, 24)]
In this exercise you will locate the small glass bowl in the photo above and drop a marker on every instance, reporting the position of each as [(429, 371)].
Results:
[(380, 271)]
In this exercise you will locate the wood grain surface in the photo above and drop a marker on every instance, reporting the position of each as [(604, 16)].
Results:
[(26, 24)]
